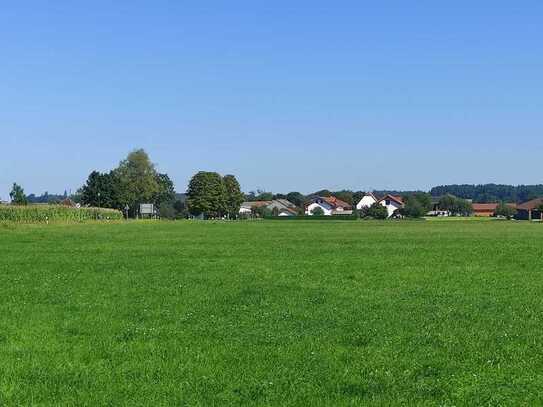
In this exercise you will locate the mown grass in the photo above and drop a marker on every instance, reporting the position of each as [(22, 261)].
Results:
[(272, 313)]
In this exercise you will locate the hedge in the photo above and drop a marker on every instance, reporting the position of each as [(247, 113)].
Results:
[(55, 213), (314, 217)]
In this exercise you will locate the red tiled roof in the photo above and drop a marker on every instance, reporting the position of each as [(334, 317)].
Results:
[(397, 199), (482, 207), (335, 202), (531, 205), (487, 207)]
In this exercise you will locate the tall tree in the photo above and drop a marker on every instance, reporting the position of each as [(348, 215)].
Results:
[(138, 179), (234, 197), (17, 195), (166, 191), (102, 190), (206, 194), (413, 208)]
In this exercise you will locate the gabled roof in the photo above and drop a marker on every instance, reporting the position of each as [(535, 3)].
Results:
[(397, 199), (531, 205), (286, 203), (332, 201), (372, 195), (336, 203)]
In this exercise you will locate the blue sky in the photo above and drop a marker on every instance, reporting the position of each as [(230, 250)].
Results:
[(286, 95)]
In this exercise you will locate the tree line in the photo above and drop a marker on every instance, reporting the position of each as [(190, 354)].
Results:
[(490, 193)]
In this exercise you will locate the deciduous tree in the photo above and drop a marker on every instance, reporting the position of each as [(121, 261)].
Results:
[(233, 196), (17, 195), (206, 194)]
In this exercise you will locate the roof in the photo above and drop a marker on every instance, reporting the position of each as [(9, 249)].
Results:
[(286, 203), (330, 200), (482, 207), (395, 198), (288, 210), (254, 204), (531, 205), (370, 194), (336, 203)]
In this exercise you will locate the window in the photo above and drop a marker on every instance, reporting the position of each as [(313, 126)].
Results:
[(387, 202)]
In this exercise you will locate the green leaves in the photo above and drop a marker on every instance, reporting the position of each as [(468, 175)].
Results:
[(207, 195)]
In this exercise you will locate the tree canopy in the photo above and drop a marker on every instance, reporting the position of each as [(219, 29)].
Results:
[(138, 179), (17, 195), (206, 195), (505, 210), (233, 196), (375, 211)]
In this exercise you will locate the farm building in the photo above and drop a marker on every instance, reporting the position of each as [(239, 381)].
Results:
[(484, 209), (330, 205), (392, 203), (530, 210), (487, 209)]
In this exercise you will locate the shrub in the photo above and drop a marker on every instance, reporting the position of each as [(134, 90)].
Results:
[(375, 211), (317, 211)]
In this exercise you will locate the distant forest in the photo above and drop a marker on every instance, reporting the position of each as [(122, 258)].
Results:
[(46, 198), (491, 192)]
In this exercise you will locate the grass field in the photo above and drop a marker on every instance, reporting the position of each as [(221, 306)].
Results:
[(272, 313)]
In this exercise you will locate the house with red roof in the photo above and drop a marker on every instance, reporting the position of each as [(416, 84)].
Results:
[(330, 205), (392, 203)]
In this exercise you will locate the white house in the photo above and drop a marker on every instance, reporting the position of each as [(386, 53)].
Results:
[(367, 200), (392, 203), (330, 205)]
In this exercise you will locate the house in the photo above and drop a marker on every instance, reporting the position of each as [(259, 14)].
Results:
[(367, 200), (330, 205), (280, 206), (530, 210), (392, 203)]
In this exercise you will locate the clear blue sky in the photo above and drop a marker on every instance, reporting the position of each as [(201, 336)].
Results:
[(287, 95)]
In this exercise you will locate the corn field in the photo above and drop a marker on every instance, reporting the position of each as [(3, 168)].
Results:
[(55, 213)]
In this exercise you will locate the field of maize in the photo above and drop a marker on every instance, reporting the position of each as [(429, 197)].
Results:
[(54, 213)]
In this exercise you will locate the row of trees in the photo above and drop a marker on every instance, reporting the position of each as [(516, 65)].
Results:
[(490, 193)]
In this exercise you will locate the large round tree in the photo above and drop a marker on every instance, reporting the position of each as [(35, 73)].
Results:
[(206, 195)]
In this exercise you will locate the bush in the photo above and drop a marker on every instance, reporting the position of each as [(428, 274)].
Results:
[(54, 213), (317, 211), (375, 211), (413, 208)]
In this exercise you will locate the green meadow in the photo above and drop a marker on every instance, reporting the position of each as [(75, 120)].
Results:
[(272, 313)]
